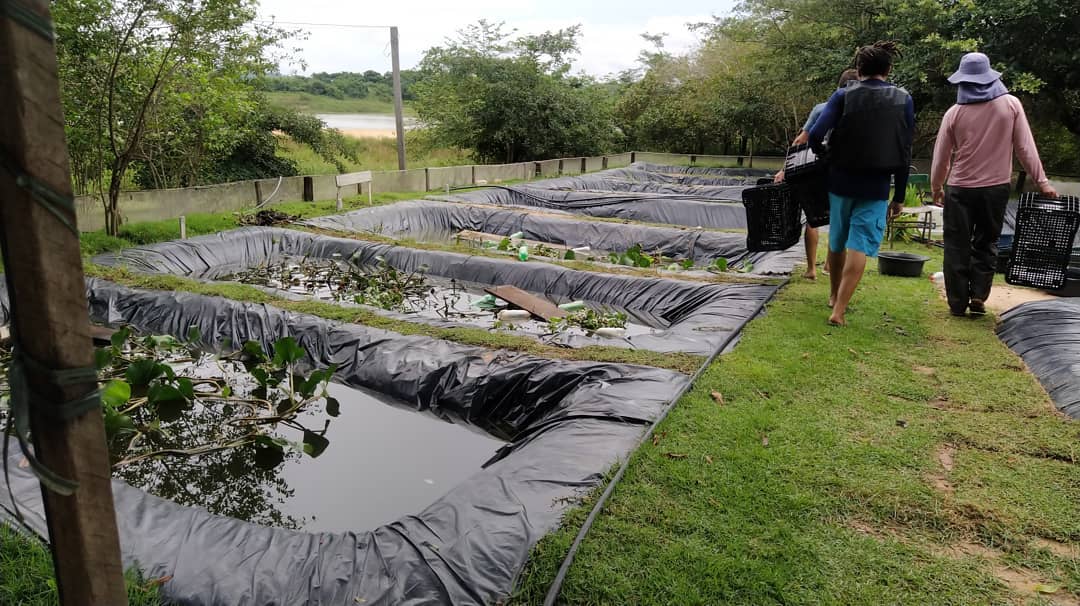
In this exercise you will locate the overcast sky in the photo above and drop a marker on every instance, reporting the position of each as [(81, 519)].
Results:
[(609, 43)]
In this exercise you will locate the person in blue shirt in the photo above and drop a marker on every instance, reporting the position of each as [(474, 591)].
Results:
[(872, 123), (810, 234)]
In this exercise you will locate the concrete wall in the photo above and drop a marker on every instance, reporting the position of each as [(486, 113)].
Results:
[(497, 173), (618, 160), (157, 205), (400, 180), (549, 168), (454, 176), (571, 166)]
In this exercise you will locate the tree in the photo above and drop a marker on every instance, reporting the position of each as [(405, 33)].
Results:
[(510, 99), (134, 68)]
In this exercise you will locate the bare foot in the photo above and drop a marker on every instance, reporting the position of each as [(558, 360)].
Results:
[(810, 275), (832, 302), (835, 320)]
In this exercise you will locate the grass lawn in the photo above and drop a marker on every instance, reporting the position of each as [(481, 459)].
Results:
[(320, 104), (906, 459), (26, 575)]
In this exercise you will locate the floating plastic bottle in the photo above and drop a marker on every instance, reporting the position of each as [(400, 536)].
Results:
[(523, 253), (573, 306), (610, 332), (517, 235), (514, 315)]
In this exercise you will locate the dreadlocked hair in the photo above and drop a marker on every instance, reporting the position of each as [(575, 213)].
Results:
[(876, 59)]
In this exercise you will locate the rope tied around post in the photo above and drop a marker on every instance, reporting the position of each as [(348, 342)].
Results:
[(18, 12), (19, 414), (61, 206)]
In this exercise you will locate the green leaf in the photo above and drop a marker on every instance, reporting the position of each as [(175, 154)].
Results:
[(194, 335), (186, 387), (226, 392), (161, 342), (161, 394), (117, 424), (314, 444), (1045, 588), (103, 357), (120, 337), (287, 351), (570, 255), (333, 407), (721, 264), (115, 394), (141, 372), (254, 350)]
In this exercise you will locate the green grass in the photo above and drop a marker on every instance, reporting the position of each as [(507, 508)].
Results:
[(26, 574), (372, 153), (319, 104), (198, 224), (820, 480)]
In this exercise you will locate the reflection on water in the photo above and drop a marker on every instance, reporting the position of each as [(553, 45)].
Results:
[(382, 463), (363, 121)]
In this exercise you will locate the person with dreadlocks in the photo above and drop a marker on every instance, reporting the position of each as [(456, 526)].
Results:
[(974, 153), (810, 234), (872, 123)]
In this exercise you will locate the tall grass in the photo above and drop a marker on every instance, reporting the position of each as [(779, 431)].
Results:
[(318, 104), (373, 153)]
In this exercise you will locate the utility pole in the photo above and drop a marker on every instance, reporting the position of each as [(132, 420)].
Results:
[(399, 119), (50, 321)]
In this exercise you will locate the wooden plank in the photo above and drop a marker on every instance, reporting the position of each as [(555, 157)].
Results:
[(353, 178), (48, 296), (545, 310)]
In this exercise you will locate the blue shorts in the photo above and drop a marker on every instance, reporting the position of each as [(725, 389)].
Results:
[(856, 224)]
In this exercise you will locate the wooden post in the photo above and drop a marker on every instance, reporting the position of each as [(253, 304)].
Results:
[(309, 189), (399, 120), (633, 157), (603, 163), (258, 193), (183, 227), (48, 295), (560, 167), (584, 164)]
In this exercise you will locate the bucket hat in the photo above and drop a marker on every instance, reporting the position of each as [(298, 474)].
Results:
[(975, 69)]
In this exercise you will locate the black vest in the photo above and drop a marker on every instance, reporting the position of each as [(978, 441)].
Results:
[(873, 133)]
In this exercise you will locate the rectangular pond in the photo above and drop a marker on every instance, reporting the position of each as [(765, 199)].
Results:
[(671, 315)]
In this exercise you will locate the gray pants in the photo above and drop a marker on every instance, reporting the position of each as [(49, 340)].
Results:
[(973, 219)]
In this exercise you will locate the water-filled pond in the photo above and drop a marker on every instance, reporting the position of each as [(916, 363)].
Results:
[(382, 462)]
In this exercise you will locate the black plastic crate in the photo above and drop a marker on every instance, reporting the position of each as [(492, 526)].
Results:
[(802, 165), (773, 221), (813, 199), (1043, 242)]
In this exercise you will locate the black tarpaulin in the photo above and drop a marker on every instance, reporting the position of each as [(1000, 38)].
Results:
[(568, 423), (1046, 334), (650, 208), (428, 220), (698, 316)]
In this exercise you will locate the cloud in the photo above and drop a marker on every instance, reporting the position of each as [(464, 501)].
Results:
[(609, 43)]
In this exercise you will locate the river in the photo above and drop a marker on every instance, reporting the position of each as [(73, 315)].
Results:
[(365, 125)]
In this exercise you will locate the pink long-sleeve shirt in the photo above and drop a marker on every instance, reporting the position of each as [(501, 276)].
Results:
[(978, 141)]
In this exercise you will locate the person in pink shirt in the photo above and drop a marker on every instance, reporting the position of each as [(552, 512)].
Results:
[(974, 155)]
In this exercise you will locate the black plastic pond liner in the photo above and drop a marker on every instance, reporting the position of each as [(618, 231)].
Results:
[(602, 182), (650, 208), (699, 316), (569, 422), (427, 220), (1046, 334)]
